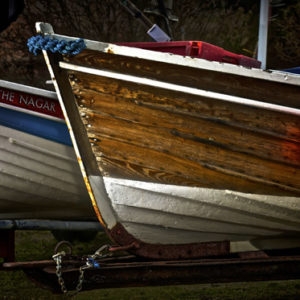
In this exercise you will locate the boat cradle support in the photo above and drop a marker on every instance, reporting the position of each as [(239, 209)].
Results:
[(8, 227), (7, 245), (130, 271)]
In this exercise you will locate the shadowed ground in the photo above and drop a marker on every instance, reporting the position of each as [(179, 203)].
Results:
[(35, 245)]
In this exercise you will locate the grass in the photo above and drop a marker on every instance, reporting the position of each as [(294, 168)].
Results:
[(36, 245)]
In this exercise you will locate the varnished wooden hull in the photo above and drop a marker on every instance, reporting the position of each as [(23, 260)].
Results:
[(166, 120)]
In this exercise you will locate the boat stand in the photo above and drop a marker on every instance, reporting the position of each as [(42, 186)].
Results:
[(7, 244), (131, 271)]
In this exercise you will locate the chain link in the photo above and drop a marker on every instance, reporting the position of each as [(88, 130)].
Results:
[(91, 262), (80, 280), (58, 259)]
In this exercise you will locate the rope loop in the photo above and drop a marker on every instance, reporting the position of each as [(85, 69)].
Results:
[(38, 43)]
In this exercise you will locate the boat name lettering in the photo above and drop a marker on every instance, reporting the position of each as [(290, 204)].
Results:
[(31, 102), (7, 95), (39, 103)]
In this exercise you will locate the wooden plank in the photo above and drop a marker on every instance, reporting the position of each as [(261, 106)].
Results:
[(162, 166), (139, 138), (264, 121), (206, 131), (262, 90)]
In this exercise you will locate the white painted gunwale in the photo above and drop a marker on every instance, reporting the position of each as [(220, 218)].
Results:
[(182, 89), (28, 89), (198, 63)]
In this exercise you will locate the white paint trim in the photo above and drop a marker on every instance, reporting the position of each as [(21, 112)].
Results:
[(28, 89), (264, 244), (40, 149), (159, 213), (198, 63), (180, 88), (39, 27), (104, 202)]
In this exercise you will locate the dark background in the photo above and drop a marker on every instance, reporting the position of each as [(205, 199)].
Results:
[(232, 25)]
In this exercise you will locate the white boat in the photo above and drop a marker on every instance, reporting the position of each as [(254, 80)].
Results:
[(39, 174), (183, 157)]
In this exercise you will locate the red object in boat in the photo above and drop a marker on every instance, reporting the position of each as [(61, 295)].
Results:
[(199, 50)]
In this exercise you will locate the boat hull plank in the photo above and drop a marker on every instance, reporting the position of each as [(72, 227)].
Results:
[(208, 207), (91, 88), (221, 82), (270, 161), (40, 179), (107, 105)]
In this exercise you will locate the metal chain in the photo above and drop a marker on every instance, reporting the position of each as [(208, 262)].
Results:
[(90, 263), (58, 259), (80, 280)]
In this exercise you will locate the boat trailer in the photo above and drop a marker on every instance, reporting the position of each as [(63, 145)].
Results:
[(67, 272)]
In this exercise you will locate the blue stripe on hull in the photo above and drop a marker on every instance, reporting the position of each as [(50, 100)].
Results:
[(44, 128)]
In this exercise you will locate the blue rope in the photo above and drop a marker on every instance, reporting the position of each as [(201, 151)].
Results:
[(38, 43)]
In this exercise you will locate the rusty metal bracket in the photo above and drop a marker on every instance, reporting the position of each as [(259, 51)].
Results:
[(167, 252)]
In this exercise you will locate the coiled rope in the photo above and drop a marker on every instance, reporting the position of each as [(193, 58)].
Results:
[(38, 43)]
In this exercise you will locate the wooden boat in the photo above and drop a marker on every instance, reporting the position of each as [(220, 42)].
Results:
[(183, 157), (39, 173)]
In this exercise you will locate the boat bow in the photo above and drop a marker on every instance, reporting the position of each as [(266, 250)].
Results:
[(179, 152)]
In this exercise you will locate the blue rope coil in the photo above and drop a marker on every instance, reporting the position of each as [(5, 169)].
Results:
[(38, 43)]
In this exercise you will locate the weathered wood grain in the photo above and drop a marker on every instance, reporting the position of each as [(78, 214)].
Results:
[(253, 88), (206, 131), (208, 156), (280, 125), (148, 133), (155, 166)]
